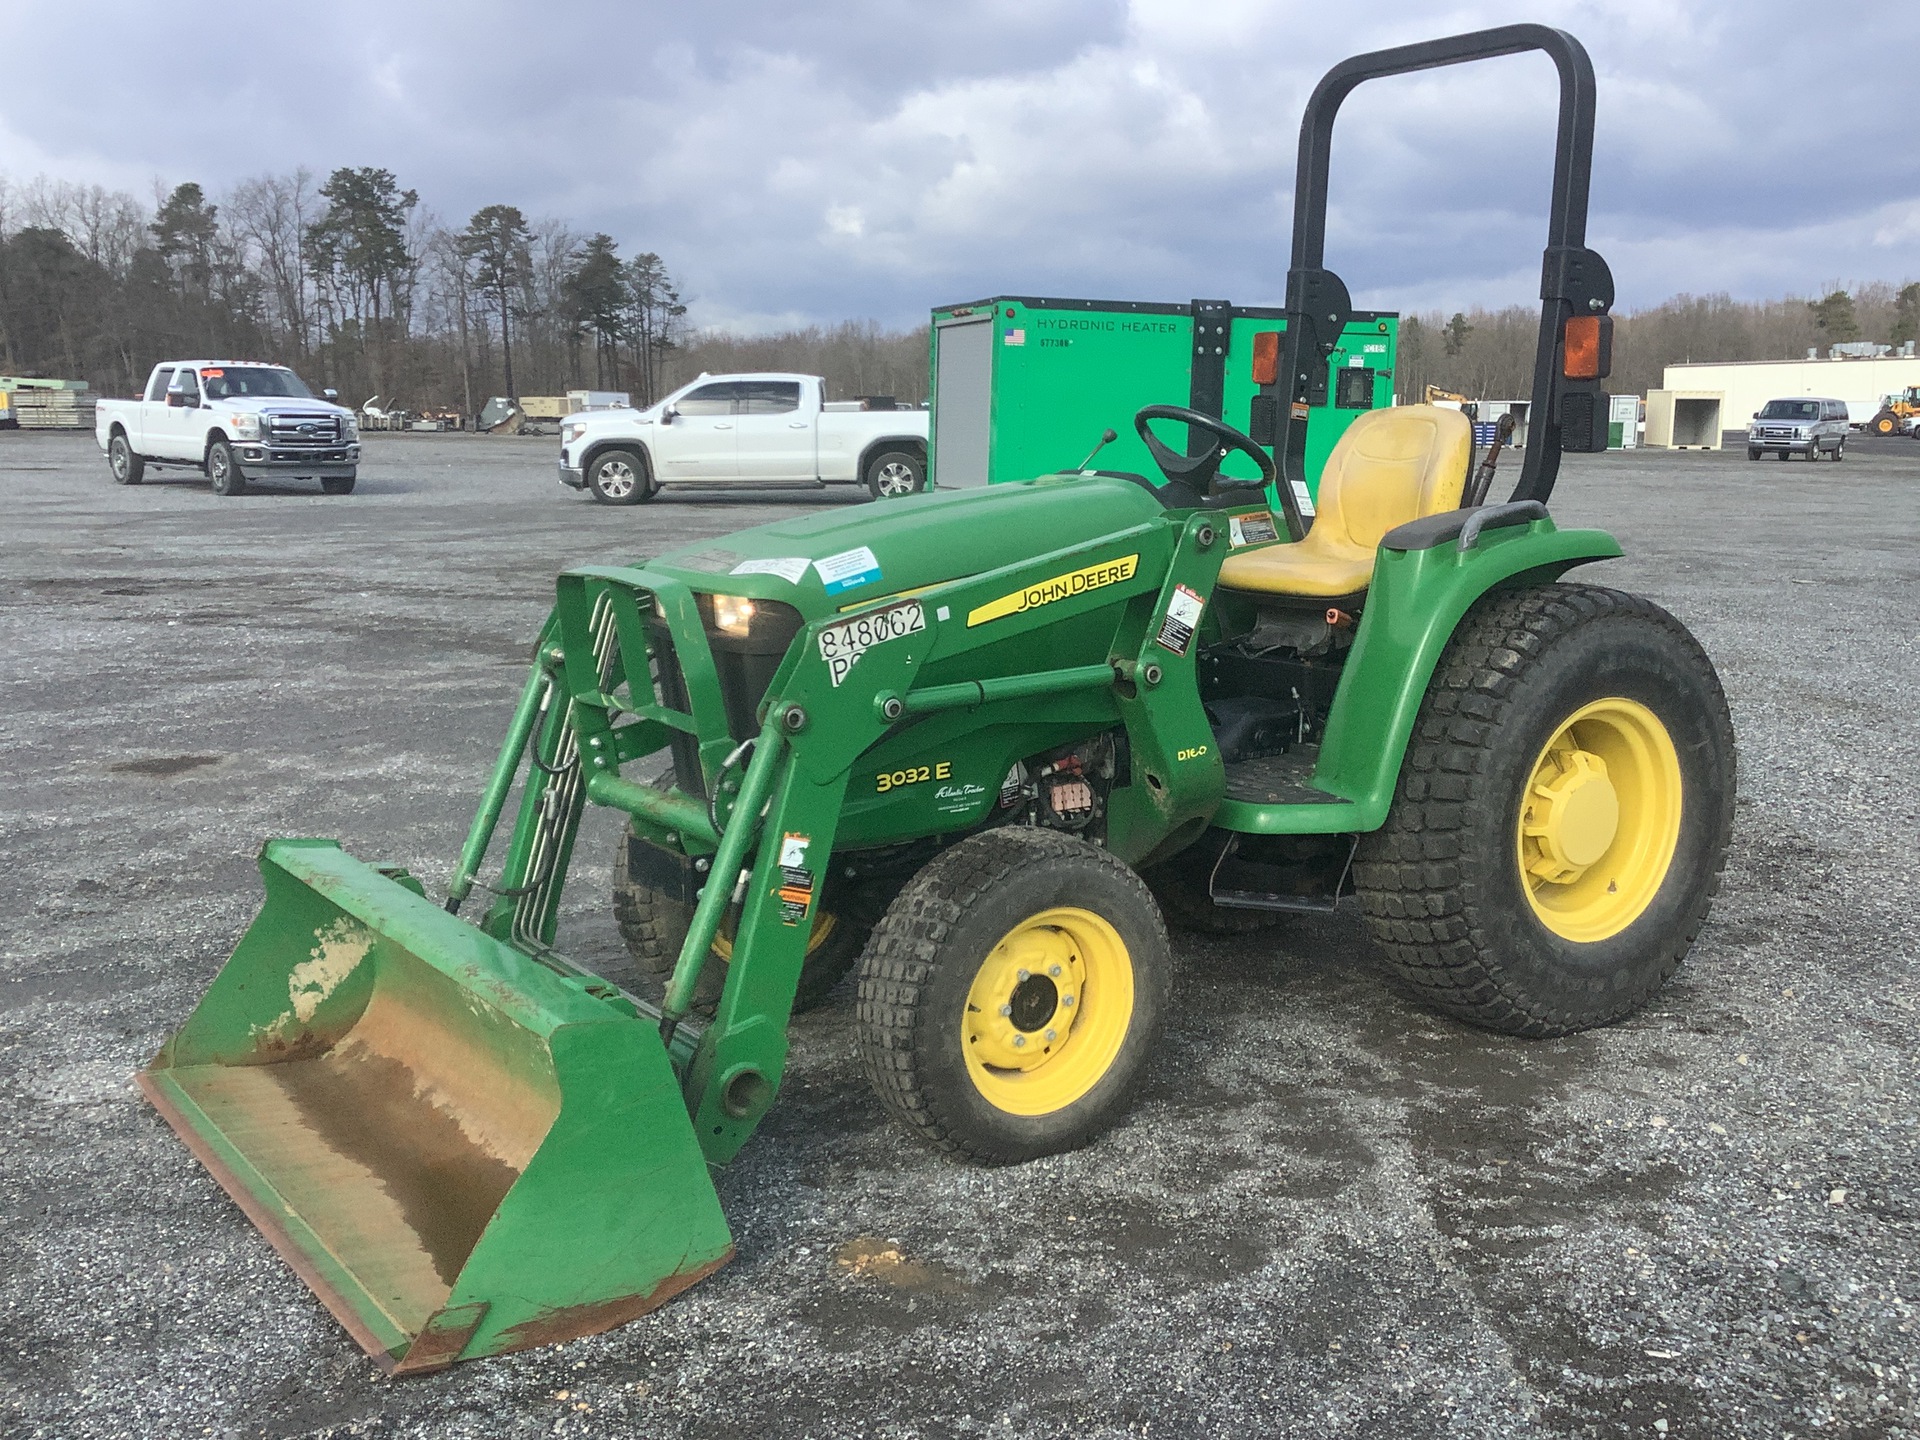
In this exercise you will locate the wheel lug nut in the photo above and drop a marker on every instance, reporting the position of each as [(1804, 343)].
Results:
[(1025, 975), (1006, 1009), (1019, 1040), (1050, 1034), (1053, 970), (1066, 999)]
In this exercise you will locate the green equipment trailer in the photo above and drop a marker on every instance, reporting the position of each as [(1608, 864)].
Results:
[(980, 744), (1018, 382)]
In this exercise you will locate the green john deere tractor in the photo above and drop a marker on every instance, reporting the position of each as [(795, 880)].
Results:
[(979, 744)]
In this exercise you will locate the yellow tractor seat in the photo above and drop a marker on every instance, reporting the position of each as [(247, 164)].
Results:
[(1390, 467)]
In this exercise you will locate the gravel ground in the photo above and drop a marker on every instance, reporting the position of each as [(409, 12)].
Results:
[(1333, 1214)]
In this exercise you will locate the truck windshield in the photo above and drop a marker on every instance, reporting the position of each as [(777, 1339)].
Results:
[(1791, 410), (227, 381)]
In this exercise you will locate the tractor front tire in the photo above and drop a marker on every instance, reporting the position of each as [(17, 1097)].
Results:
[(1012, 996), (655, 925), (1562, 814)]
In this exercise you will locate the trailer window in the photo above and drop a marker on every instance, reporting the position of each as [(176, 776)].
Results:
[(1353, 388)]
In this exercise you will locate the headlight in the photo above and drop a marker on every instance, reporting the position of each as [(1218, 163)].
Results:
[(570, 433), (350, 428), (244, 427), (732, 614)]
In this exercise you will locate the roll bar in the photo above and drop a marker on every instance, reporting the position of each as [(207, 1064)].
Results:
[(1575, 282)]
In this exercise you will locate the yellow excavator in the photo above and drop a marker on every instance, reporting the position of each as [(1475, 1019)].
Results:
[(1897, 413)]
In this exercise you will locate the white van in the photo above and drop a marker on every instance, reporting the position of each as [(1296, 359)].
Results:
[(1806, 425)]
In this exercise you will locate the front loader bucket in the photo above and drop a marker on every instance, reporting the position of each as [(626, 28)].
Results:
[(461, 1151)]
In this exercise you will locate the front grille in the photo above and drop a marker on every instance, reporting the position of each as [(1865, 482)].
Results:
[(1778, 432), (294, 431)]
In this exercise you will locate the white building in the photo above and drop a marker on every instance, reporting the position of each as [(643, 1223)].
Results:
[(1749, 384)]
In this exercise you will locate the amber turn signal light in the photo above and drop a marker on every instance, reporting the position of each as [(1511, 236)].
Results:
[(1586, 347), (1266, 357)]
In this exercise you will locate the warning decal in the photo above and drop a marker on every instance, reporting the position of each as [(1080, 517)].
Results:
[(1182, 618)]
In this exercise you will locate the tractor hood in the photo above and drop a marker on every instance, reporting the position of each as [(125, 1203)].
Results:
[(832, 561)]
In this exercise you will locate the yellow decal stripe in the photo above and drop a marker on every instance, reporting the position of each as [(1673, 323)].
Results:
[(1060, 587)]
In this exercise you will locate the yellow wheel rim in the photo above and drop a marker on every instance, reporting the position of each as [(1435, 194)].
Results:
[(823, 923), (1048, 1011), (1600, 820)]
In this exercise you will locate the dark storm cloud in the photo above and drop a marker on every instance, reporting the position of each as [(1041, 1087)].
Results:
[(872, 158)]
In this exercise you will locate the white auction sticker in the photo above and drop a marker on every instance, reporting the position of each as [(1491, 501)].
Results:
[(848, 569), (842, 644), (1302, 499), (788, 567)]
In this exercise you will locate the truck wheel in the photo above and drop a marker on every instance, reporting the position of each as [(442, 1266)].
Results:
[(224, 471), (337, 484), (1753, 453), (1562, 814), (128, 468), (654, 926), (1010, 1000), (619, 477), (896, 472)]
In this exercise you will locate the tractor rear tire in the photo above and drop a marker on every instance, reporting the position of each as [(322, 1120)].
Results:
[(1012, 996), (1885, 423), (1562, 814), (655, 925)]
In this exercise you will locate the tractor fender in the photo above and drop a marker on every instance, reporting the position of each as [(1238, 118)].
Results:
[(1415, 603)]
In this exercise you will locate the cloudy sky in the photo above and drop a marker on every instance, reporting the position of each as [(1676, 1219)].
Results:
[(870, 158)]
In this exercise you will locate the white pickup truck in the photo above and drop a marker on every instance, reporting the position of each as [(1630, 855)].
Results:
[(230, 419), (745, 430)]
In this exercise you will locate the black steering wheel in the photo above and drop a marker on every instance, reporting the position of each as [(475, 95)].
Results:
[(1199, 472)]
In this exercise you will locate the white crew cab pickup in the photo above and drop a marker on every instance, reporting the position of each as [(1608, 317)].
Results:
[(746, 430), (230, 419)]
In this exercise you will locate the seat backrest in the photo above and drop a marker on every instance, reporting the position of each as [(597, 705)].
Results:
[(1390, 467)]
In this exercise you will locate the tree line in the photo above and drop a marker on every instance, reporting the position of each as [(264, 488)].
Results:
[(359, 287), (349, 280)]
